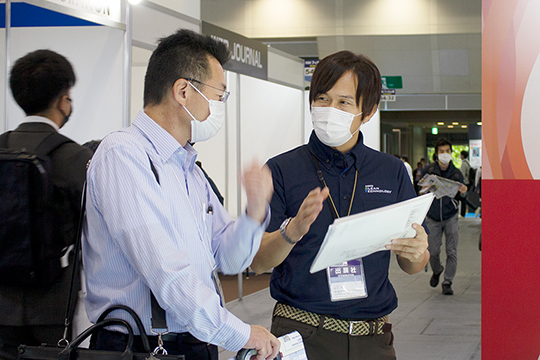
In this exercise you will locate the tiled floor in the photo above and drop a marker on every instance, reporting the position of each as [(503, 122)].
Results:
[(427, 325)]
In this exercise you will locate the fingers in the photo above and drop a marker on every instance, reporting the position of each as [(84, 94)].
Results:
[(308, 212), (264, 342), (411, 248)]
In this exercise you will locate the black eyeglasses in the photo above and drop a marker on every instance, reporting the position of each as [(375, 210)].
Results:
[(225, 94)]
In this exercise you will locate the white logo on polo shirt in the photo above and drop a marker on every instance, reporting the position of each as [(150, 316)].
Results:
[(375, 189)]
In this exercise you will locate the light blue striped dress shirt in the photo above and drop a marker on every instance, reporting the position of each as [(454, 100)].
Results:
[(140, 236)]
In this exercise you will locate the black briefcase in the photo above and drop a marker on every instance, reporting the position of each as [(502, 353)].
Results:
[(73, 352)]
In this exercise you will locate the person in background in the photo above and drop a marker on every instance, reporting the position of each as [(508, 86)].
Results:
[(442, 218), (344, 94), (41, 83), (417, 175), (465, 170), (154, 228), (405, 160)]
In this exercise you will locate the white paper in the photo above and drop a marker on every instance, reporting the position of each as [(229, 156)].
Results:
[(360, 235), (292, 347), (439, 186)]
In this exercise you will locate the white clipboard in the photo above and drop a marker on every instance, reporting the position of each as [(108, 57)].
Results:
[(360, 235)]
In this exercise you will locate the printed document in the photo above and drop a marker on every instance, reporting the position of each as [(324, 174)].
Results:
[(292, 348), (439, 186), (360, 235)]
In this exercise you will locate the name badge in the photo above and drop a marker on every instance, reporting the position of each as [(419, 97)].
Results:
[(347, 281)]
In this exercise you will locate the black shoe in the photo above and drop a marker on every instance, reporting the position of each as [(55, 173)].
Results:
[(434, 281), (447, 289)]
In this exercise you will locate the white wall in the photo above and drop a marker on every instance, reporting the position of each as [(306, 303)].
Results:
[(188, 7), (150, 24), (285, 68), (96, 53)]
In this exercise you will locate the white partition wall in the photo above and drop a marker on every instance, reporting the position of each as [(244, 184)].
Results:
[(264, 119), (96, 53), (271, 119)]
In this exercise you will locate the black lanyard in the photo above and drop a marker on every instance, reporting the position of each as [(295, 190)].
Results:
[(329, 200)]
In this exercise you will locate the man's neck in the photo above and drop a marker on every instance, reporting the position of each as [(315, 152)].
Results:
[(442, 166), (345, 148), (51, 115), (180, 129)]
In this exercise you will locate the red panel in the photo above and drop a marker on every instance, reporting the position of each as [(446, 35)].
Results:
[(511, 269)]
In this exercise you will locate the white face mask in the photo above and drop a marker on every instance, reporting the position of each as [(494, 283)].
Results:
[(204, 130), (444, 158), (332, 126)]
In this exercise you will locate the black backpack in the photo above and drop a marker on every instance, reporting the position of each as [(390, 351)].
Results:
[(30, 256), (472, 179)]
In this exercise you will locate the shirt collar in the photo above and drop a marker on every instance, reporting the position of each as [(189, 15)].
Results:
[(329, 157), (41, 119), (165, 144)]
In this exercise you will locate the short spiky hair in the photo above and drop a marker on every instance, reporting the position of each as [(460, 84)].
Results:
[(330, 69), (183, 54), (442, 142), (38, 78)]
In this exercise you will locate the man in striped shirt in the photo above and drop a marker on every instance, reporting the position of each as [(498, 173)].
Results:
[(153, 224)]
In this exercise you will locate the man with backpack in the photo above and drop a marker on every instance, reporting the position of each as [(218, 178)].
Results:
[(468, 173), (41, 179)]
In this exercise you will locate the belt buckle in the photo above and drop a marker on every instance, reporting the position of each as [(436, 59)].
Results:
[(351, 325)]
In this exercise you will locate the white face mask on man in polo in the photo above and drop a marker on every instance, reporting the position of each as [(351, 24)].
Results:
[(332, 126), (206, 129)]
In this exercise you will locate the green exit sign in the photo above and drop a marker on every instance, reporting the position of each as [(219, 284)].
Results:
[(392, 82)]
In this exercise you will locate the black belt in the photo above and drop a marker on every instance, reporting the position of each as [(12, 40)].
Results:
[(184, 338)]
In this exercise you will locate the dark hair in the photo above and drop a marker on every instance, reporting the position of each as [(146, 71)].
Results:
[(405, 158), (183, 54), (465, 154), (442, 142), (330, 69), (92, 145), (38, 78)]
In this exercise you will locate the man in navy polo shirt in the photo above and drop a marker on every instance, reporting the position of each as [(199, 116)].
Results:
[(345, 92)]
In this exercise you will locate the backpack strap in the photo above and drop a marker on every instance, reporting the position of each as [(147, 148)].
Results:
[(159, 319), (47, 145), (51, 143)]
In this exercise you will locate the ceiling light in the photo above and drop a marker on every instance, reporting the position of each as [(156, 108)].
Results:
[(464, 126), (455, 123), (450, 126), (440, 123), (134, 2), (479, 123)]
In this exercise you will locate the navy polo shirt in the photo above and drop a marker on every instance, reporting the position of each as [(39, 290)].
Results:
[(382, 180)]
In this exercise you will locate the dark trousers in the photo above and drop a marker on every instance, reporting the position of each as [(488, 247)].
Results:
[(323, 344), (185, 344), (13, 336)]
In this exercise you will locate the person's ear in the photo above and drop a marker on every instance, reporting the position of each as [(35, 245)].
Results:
[(64, 103), (370, 115), (179, 91)]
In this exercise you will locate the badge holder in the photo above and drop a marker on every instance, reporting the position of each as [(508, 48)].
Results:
[(347, 281)]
